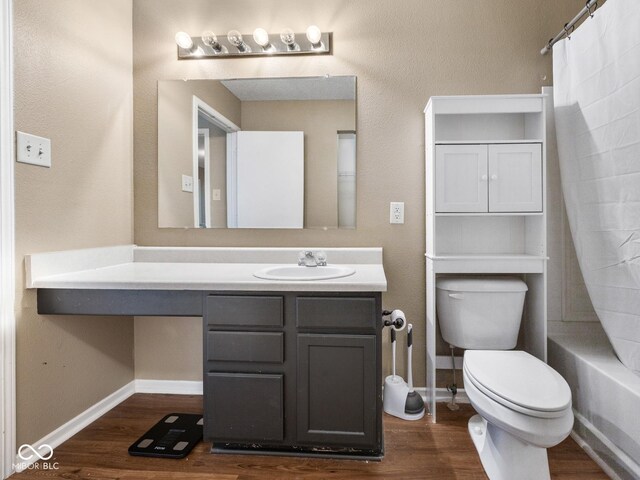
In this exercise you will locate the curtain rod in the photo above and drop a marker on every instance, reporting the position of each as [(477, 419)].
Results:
[(570, 27)]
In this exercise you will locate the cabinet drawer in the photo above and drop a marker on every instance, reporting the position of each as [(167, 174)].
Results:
[(243, 407), (336, 313), (244, 310), (264, 347)]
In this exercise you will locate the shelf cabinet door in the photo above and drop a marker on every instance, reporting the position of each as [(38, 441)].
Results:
[(461, 178), (515, 178), (337, 390)]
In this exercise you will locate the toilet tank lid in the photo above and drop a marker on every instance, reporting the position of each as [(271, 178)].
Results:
[(481, 284)]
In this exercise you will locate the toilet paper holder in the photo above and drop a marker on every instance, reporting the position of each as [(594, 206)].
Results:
[(398, 319)]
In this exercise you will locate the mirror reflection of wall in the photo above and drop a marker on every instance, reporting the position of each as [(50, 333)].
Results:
[(347, 179), (197, 121)]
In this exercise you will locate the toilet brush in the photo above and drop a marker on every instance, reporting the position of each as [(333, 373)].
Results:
[(393, 353), (414, 404)]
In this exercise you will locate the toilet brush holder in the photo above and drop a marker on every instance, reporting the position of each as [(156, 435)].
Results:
[(394, 400), (399, 398)]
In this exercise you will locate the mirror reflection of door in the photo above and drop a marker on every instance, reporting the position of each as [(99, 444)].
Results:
[(210, 165), (204, 178), (267, 188)]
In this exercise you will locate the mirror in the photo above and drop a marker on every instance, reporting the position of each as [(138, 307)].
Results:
[(257, 153)]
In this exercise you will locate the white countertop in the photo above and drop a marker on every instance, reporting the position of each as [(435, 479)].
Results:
[(165, 268)]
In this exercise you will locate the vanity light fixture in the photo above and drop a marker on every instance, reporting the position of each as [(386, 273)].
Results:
[(261, 43)]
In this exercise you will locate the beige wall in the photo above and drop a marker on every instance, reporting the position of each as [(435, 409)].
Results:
[(320, 121), (73, 84), (175, 147), (402, 52)]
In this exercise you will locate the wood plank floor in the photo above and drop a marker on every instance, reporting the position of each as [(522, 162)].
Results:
[(413, 450)]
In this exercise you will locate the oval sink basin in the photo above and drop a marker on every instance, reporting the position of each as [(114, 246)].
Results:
[(300, 274)]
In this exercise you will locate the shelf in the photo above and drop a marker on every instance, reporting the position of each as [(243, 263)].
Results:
[(487, 263), (484, 142), (485, 104), (488, 214)]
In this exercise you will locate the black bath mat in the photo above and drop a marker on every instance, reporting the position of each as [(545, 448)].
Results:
[(172, 437)]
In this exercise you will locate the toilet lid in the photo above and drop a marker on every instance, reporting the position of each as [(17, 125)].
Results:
[(518, 378)]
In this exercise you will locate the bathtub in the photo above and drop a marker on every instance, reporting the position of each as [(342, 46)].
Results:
[(606, 396)]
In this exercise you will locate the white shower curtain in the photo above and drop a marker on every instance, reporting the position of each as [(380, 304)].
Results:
[(597, 107)]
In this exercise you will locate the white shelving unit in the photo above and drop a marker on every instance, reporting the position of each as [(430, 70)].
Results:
[(485, 203)]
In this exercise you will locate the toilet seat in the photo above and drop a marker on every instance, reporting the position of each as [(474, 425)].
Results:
[(518, 381)]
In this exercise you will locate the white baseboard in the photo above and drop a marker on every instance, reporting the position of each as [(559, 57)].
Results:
[(443, 362), (176, 387), (443, 395), (73, 426), (615, 463)]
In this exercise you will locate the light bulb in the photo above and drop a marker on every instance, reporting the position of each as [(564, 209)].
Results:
[(209, 38), (235, 38), (288, 37), (314, 35), (261, 37), (184, 40)]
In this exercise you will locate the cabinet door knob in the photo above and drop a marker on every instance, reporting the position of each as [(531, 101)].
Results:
[(494, 177), (483, 178)]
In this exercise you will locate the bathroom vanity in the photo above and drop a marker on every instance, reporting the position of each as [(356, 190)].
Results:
[(293, 371), (289, 367)]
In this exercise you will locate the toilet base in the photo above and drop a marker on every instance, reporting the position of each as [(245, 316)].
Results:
[(505, 457)]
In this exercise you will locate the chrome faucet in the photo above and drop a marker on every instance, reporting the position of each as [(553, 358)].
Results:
[(307, 258)]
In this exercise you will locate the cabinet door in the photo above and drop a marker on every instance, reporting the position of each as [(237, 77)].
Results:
[(337, 390), (515, 178), (241, 407), (461, 178)]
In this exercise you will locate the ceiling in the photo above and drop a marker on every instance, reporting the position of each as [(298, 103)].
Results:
[(293, 88)]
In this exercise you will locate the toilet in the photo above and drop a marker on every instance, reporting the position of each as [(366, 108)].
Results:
[(523, 405)]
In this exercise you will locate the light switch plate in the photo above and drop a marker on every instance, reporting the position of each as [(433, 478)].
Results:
[(215, 194), (33, 149), (187, 183)]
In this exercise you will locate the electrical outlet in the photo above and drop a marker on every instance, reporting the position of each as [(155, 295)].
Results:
[(187, 183), (396, 212), (32, 149)]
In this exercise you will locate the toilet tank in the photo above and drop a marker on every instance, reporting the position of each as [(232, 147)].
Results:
[(480, 313)]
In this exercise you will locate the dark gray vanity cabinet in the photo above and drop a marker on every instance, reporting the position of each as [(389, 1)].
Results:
[(293, 373), (244, 368)]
